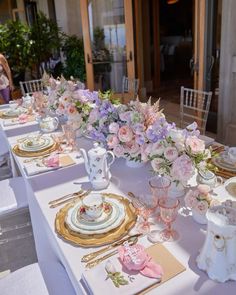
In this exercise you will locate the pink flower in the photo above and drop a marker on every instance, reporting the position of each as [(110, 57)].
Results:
[(112, 141), (201, 207), (132, 148), (203, 189), (157, 149), (182, 169), (93, 116), (171, 153), (118, 151), (23, 118), (72, 110), (113, 127), (190, 200), (145, 150), (125, 134), (195, 144), (157, 164), (125, 116)]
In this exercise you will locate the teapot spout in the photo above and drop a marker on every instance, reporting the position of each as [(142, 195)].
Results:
[(84, 154)]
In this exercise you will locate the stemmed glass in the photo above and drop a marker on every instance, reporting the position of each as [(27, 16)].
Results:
[(169, 211), (145, 206), (70, 135)]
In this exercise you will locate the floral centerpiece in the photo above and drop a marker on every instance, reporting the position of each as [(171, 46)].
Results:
[(179, 153), (199, 200), (128, 129)]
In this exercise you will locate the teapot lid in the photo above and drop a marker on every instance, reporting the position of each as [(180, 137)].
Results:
[(97, 150)]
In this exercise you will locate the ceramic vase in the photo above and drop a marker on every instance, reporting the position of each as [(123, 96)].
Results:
[(199, 218)]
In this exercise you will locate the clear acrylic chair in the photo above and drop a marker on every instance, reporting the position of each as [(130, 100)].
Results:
[(130, 86), (29, 87), (194, 106)]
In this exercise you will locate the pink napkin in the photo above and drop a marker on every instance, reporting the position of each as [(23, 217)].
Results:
[(52, 161), (135, 258), (23, 118)]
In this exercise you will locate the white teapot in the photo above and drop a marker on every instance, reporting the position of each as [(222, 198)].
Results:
[(97, 166), (48, 124)]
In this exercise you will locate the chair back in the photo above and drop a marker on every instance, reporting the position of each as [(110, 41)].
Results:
[(194, 106), (130, 85), (31, 86)]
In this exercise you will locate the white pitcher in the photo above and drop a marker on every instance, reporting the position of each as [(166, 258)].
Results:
[(97, 166)]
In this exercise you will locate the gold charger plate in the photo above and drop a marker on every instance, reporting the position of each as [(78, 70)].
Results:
[(42, 152), (4, 116), (95, 240)]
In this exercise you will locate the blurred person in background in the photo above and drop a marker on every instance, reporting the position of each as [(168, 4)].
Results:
[(6, 83)]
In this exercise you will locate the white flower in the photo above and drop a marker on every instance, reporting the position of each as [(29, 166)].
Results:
[(157, 149), (109, 267), (157, 164), (171, 153)]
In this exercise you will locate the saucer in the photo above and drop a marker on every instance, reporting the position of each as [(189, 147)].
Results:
[(230, 186), (42, 143), (107, 223)]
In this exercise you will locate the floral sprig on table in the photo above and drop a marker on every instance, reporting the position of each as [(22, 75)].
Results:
[(200, 199), (179, 153)]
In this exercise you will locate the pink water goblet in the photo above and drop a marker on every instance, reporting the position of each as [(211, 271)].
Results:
[(169, 211)]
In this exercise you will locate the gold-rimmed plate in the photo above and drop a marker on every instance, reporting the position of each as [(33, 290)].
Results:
[(96, 240), (27, 154)]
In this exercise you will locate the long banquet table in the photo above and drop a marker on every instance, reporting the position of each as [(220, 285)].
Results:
[(60, 261)]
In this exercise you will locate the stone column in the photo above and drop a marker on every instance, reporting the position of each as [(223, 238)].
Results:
[(227, 84)]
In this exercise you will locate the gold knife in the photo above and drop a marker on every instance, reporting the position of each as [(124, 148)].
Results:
[(65, 197), (70, 199), (95, 262), (90, 256)]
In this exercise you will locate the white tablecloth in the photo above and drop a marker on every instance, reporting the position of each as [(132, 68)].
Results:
[(53, 251)]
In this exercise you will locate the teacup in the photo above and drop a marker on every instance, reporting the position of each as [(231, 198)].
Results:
[(13, 105), (232, 154), (209, 178), (93, 205)]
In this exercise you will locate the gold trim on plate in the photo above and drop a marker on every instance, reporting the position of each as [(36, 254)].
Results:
[(96, 240), (42, 152)]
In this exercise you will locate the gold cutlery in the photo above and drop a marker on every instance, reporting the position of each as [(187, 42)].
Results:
[(95, 262), (65, 197), (70, 199), (135, 201), (90, 256), (35, 159)]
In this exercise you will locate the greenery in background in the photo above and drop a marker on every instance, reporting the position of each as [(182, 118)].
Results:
[(27, 47), (45, 38), (73, 50), (15, 44)]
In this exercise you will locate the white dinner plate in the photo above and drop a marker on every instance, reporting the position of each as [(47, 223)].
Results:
[(14, 112), (42, 143), (223, 162), (115, 219)]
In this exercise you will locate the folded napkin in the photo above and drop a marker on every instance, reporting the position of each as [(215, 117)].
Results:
[(47, 164), (7, 199), (96, 276), (22, 119)]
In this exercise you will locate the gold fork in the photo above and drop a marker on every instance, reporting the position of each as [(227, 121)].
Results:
[(65, 197)]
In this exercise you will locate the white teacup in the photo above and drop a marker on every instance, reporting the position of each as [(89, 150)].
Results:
[(209, 178), (13, 105), (232, 154), (93, 205)]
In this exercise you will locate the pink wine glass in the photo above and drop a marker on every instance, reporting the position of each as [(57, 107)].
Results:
[(168, 211)]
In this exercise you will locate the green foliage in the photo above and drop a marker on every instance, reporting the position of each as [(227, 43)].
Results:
[(109, 95), (15, 45), (73, 50), (45, 38)]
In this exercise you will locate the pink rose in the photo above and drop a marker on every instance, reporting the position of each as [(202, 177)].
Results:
[(72, 110), (157, 149), (145, 151), (204, 189), (125, 116), (171, 153), (132, 148), (125, 134), (201, 207), (118, 151), (23, 118), (112, 141), (113, 128), (195, 144), (190, 200), (157, 164), (182, 169)]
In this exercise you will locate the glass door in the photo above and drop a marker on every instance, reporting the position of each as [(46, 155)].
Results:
[(108, 42)]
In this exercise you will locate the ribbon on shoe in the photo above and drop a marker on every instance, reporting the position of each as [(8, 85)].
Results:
[(51, 161), (135, 258)]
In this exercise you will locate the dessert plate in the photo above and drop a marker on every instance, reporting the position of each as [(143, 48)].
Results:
[(223, 162), (14, 112), (115, 219)]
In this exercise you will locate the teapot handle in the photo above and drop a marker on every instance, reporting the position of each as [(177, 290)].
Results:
[(57, 120), (112, 158)]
